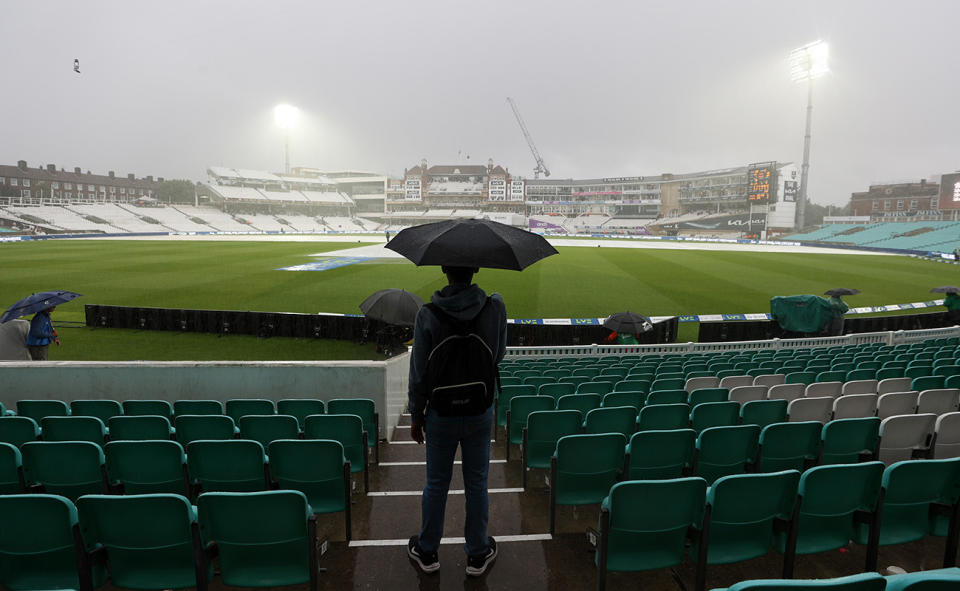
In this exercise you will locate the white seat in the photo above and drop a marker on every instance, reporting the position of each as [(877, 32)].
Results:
[(855, 406), (731, 382), (786, 392), (743, 394), (947, 438), (820, 389), (939, 401), (860, 387), (902, 435), (896, 403), (703, 382), (769, 379), (810, 409), (893, 385)]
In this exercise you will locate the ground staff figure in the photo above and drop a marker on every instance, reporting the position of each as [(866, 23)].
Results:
[(952, 303), (839, 308), (459, 304), (41, 335)]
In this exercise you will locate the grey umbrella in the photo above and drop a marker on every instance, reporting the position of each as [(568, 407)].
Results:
[(841, 291), (945, 289), (393, 306), (471, 243)]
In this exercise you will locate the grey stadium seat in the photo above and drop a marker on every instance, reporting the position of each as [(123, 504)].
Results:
[(702, 382), (893, 385), (902, 435), (810, 409), (743, 394), (855, 406), (896, 403), (731, 382), (947, 437), (819, 389), (939, 401), (769, 379), (860, 387), (786, 392)]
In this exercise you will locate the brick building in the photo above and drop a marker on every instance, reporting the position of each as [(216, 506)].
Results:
[(21, 183), (908, 199)]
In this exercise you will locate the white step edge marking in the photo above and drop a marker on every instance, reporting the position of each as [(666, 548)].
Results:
[(500, 539), (388, 464), (417, 493)]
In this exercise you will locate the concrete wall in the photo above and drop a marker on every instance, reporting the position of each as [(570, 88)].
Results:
[(383, 381)]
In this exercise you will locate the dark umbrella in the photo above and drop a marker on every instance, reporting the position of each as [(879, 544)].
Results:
[(36, 302), (471, 243), (945, 289), (841, 291), (393, 306), (628, 322)]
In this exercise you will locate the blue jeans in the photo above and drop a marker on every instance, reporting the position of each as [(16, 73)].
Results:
[(443, 435)]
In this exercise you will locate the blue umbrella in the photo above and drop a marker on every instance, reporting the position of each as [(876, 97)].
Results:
[(36, 302)]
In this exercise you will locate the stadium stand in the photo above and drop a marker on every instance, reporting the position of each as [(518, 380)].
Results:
[(941, 236), (216, 219)]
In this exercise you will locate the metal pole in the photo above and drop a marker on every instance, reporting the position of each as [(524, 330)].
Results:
[(805, 170), (286, 147)]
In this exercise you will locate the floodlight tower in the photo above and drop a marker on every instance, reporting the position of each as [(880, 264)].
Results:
[(286, 118), (806, 63)]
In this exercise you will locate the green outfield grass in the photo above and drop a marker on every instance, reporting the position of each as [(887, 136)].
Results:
[(579, 282)]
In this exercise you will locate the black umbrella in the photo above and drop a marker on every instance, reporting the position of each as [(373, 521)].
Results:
[(36, 302), (841, 291), (945, 289), (471, 243), (628, 322), (393, 306)]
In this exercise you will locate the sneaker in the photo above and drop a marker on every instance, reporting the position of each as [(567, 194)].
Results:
[(896, 570), (477, 565), (428, 563)]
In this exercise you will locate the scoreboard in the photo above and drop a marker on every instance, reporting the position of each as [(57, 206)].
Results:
[(761, 182), (950, 191)]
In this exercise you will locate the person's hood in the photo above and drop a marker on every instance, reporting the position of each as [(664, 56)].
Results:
[(463, 302)]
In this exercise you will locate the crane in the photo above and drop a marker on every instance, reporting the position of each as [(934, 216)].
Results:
[(541, 167)]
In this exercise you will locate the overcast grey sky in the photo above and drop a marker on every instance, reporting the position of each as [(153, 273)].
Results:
[(606, 88)]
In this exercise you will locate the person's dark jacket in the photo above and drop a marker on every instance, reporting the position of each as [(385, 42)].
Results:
[(463, 302), (41, 330)]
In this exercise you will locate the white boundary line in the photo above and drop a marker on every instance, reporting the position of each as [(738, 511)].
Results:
[(388, 464), (500, 539), (417, 493)]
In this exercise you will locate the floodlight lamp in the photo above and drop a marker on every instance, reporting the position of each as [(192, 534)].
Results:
[(809, 62), (286, 116)]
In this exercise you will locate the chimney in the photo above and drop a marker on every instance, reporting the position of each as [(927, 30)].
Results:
[(51, 168), (110, 174), (130, 176), (150, 178), (76, 170), (88, 172), (22, 164)]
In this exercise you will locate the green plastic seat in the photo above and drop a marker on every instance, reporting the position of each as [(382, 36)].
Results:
[(539, 380), (263, 539), (800, 377), (238, 407), (947, 370), (139, 428), (722, 451), (41, 546), (73, 429), (714, 414), (618, 372), (147, 467), (834, 502), (702, 395), (197, 407), (348, 430), (366, 409), (301, 408), (139, 408), (509, 380), (575, 380), (910, 490), (195, 427), (663, 416), (927, 383), (102, 409), (556, 390), (18, 430), (556, 374), (860, 374), (267, 428), (583, 469), (918, 371), (526, 373), (613, 419), (544, 428), (890, 372), (580, 402), (503, 400), (832, 376), (11, 470), (674, 396), (67, 468), (38, 409), (319, 469), (659, 455), (236, 465), (152, 541), (860, 582), (942, 579), (952, 382), (763, 412), (520, 409), (586, 372), (668, 384), (632, 385), (624, 398), (643, 524), (789, 446), (741, 514), (595, 387), (846, 441)]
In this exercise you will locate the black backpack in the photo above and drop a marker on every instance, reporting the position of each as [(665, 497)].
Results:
[(461, 372)]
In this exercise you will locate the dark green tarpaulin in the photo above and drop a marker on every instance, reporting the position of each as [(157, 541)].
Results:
[(801, 313)]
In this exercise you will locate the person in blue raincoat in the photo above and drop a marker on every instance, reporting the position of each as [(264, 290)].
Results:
[(41, 335)]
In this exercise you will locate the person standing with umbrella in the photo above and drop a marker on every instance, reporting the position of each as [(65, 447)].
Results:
[(459, 338), (838, 308), (41, 335), (951, 302), (41, 329)]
